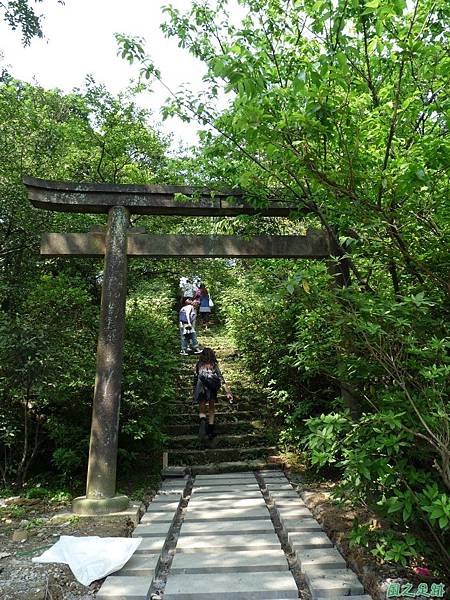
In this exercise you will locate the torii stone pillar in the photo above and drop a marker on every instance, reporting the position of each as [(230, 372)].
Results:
[(101, 478), (118, 201)]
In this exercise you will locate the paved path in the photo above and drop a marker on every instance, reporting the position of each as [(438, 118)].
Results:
[(229, 537)]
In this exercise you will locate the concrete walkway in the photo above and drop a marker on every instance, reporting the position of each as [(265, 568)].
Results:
[(227, 537)]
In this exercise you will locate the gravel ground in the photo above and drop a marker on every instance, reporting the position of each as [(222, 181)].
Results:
[(39, 528)]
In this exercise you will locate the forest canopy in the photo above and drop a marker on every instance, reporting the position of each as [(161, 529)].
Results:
[(340, 108)]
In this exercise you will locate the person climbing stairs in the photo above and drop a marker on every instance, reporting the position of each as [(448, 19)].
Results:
[(243, 439)]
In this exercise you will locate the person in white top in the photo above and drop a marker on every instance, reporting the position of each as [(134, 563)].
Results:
[(186, 318)]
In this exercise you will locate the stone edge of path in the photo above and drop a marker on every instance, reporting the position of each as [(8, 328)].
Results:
[(268, 479), (119, 586)]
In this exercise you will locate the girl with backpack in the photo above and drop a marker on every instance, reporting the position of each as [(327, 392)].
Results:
[(207, 382)]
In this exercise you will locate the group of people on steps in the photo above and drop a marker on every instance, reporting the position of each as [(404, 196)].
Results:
[(208, 378)]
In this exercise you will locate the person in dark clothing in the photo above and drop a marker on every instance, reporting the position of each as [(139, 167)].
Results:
[(208, 380), (205, 305)]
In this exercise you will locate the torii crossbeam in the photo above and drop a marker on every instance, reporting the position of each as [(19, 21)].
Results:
[(119, 242)]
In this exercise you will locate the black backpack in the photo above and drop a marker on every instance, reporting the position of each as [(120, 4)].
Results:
[(210, 380)]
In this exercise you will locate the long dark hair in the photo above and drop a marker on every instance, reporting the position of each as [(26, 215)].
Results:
[(208, 356)]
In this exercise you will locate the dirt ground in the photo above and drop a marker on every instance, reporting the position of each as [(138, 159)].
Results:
[(28, 527)]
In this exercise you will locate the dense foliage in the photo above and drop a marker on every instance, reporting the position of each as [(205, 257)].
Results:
[(49, 309), (342, 109)]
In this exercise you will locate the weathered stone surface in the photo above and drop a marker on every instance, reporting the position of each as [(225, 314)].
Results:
[(173, 471), (151, 545), (158, 517), (237, 475), (227, 527), (173, 484), (225, 481), (289, 503), (214, 513), (152, 529), (197, 502), (293, 513), (306, 524), (206, 543), (162, 507), (326, 558), (231, 496), (230, 487), (143, 199), (124, 588), (238, 586), (102, 462), (279, 486), (313, 245), (284, 495), (325, 583), (237, 561), (309, 539), (167, 498), (142, 566)]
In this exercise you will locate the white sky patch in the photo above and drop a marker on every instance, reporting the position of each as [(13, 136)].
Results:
[(79, 40)]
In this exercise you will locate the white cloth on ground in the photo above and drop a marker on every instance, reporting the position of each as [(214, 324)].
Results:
[(91, 557)]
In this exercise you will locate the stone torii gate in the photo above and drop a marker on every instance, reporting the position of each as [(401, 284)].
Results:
[(119, 242)]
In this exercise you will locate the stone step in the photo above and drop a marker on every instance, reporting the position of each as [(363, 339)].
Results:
[(283, 495), (217, 455), (231, 586), (238, 561), (226, 468), (272, 475), (305, 524), (143, 566), (128, 587), (229, 416), (160, 507), (198, 502), (218, 482), (309, 539), (327, 583), (241, 440), (228, 541), (167, 497), (326, 558), (230, 496), (225, 427), (226, 514), (294, 512), (291, 502), (152, 529), (231, 487), (276, 486), (231, 475), (151, 545), (158, 517), (225, 527)]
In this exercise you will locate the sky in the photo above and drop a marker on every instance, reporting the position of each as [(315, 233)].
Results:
[(79, 40)]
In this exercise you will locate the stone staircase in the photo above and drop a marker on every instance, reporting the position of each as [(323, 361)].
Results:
[(232, 536), (244, 442)]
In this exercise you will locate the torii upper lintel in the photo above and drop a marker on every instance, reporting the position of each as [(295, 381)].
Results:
[(145, 199)]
